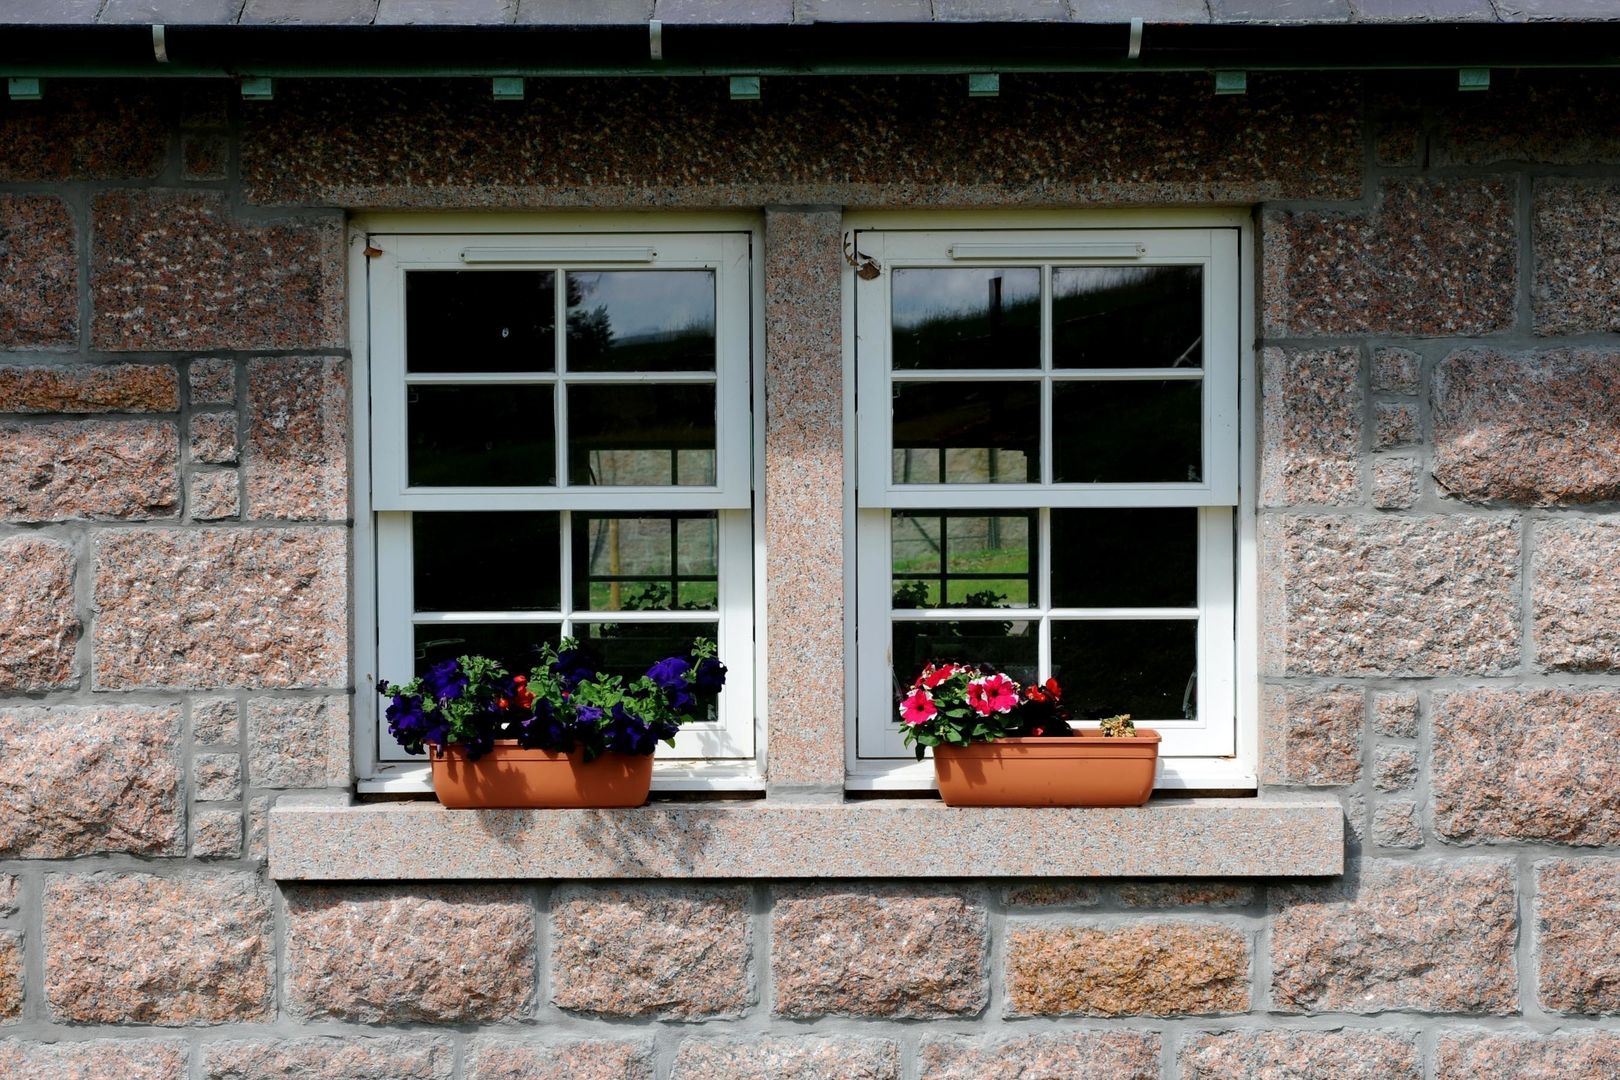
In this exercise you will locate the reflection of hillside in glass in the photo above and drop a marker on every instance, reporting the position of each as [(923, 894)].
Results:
[(1127, 432), (1142, 667), (480, 320), (967, 318), (1125, 557), (641, 435), (515, 553), (967, 433), (638, 562), (641, 320), (1127, 316), (972, 559), (473, 435)]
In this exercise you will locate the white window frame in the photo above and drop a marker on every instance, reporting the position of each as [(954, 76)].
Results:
[(726, 755), (1217, 751)]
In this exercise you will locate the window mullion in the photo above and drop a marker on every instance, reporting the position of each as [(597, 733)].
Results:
[(1044, 597)]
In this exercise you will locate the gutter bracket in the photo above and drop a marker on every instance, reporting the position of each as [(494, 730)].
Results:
[(1473, 79), (258, 88), (655, 39), (24, 88), (984, 84), (160, 46), (1231, 82), (745, 88), (507, 87), (1134, 52)]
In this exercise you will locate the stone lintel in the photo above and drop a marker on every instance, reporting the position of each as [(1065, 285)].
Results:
[(911, 838)]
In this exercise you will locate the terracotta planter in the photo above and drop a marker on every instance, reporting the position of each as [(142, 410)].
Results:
[(1083, 770), (510, 777)]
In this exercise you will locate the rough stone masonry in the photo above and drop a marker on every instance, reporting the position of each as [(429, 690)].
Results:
[(1440, 639)]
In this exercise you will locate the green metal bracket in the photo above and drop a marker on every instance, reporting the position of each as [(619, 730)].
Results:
[(24, 88), (986, 84), (1473, 78), (745, 88), (258, 88), (507, 87), (1231, 82)]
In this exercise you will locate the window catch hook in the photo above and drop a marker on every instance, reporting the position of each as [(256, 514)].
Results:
[(866, 267)]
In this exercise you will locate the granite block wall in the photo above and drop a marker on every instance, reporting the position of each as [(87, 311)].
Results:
[(1439, 538)]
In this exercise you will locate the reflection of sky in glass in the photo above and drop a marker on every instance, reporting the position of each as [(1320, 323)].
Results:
[(922, 296), (643, 303)]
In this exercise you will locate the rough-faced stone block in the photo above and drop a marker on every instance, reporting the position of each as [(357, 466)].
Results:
[(1532, 765), (1578, 936), (90, 780), (1389, 596), (777, 1058), (216, 834), (1474, 1055), (1395, 768), (1575, 224), (1397, 483), (213, 438), (1045, 894), (1117, 1055), (221, 607), (1048, 141), (1395, 713), (1434, 258), (1311, 736), (11, 975), (1140, 969), (98, 469), (214, 496), (1395, 424), (1310, 445), (9, 893), (213, 381), (1576, 597), (98, 130), (39, 271), (123, 948), (172, 270), (878, 952), (1396, 371), (89, 388), (426, 954), (1177, 894), (258, 828), (1301, 1055), (213, 721), (1528, 428), (583, 1059), (296, 460), (205, 155), (299, 742), (216, 777), (1547, 117), (1397, 824), (96, 1059), (39, 627), (1402, 935), (391, 1057), (652, 953)]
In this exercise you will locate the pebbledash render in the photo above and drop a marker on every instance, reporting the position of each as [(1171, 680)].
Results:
[(194, 883)]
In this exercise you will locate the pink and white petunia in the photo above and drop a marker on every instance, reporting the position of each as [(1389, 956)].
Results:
[(992, 694), (918, 708)]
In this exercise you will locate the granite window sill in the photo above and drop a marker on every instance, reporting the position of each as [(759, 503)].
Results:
[(888, 838)]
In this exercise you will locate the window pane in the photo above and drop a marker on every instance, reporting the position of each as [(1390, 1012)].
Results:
[(1142, 667), (638, 563), (476, 436), (986, 559), (967, 318), (956, 433), (486, 561), (630, 648), (1125, 557), (1127, 316), (480, 320), (641, 320), (515, 645), (1010, 646), (1127, 432), (641, 435)]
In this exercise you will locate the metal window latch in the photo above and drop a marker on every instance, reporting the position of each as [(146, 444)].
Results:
[(866, 267)]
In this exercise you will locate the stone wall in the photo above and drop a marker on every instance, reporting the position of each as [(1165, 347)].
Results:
[(1440, 456)]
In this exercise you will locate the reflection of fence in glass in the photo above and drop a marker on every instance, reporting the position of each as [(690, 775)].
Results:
[(963, 560), (645, 563)]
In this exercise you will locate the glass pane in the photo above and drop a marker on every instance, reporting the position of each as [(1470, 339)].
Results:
[(986, 559), (480, 320), (630, 648), (480, 436), (1143, 667), (967, 318), (1127, 316), (641, 320), (515, 645), (486, 561), (1125, 558), (629, 563), (641, 435), (959, 433), (1009, 646), (1127, 432)]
